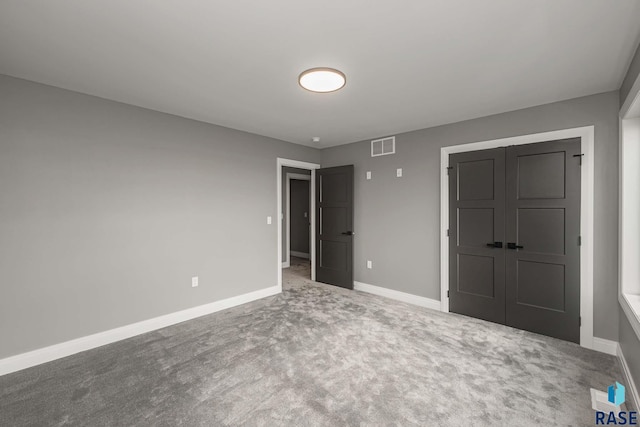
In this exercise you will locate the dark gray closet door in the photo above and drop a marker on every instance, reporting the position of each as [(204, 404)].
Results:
[(299, 214), (542, 229), (334, 229), (476, 221)]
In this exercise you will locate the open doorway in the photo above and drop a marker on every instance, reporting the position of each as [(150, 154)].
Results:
[(297, 223), (296, 204)]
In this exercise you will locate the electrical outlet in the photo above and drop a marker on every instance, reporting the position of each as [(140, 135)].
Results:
[(194, 282), (368, 174), (268, 220), (369, 264), (399, 172)]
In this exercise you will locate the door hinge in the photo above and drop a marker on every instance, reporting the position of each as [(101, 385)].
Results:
[(449, 169), (580, 157), (447, 232), (447, 294), (579, 240), (580, 321)]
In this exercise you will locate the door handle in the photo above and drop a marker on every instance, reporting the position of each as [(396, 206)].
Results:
[(348, 233), (514, 246), (495, 245)]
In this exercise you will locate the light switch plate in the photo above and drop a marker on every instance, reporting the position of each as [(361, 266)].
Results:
[(399, 172), (194, 281), (368, 174), (268, 220)]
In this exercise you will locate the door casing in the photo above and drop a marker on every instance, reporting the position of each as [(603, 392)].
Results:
[(280, 163), (586, 134)]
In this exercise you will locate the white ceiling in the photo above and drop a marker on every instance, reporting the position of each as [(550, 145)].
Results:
[(410, 64)]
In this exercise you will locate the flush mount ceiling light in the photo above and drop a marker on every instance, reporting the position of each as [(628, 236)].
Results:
[(322, 80)]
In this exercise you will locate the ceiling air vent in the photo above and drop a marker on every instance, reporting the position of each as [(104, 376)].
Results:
[(384, 146)]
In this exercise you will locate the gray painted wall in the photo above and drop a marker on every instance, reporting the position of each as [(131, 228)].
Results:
[(629, 341), (397, 220), (630, 77), (107, 210), (285, 171), (300, 215)]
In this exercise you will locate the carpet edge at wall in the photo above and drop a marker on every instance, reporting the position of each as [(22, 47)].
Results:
[(68, 348)]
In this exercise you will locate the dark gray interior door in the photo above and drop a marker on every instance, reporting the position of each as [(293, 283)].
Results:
[(299, 216), (334, 226), (476, 234), (543, 229)]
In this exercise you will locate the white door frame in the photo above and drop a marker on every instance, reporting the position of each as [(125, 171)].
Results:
[(586, 134), (280, 163), (287, 209)]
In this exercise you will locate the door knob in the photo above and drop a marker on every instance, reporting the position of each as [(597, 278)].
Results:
[(348, 233), (495, 245), (514, 246)]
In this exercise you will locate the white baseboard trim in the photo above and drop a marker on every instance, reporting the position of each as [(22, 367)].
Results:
[(605, 346), (300, 254), (57, 351), (632, 390), (285, 264), (397, 295)]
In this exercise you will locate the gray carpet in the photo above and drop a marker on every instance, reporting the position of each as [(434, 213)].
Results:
[(316, 355)]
